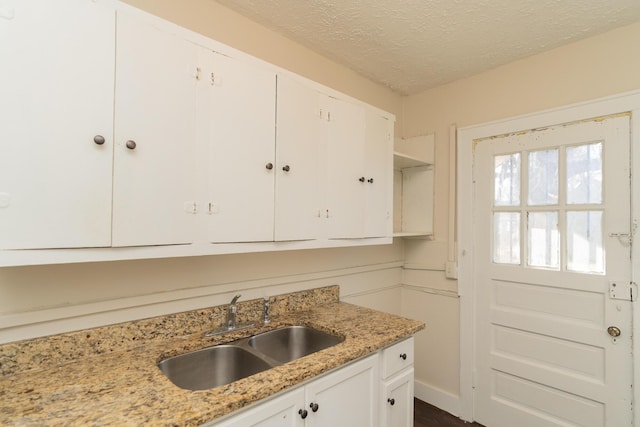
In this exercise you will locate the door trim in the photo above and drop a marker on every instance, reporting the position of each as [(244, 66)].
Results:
[(626, 102)]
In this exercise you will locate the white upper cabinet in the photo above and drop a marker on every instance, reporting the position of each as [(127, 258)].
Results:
[(345, 174), (378, 176), (154, 174), (56, 119), (236, 123), (298, 142)]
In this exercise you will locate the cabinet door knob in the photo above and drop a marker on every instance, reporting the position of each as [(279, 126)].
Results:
[(391, 401), (370, 180), (286, 168), (314, 407), (99, 139), (131, 144), (403, 356), (303, 413), (361, 179), (269, 166)]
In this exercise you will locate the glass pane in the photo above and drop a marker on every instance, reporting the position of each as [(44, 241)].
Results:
[(584, 174), (507, 180), (544, 242), (584, 242), (543, 177), (506, 237)]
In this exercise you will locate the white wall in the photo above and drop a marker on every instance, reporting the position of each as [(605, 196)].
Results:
[(589, 69)]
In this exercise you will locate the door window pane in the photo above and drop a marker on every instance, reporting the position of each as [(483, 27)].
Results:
[(544, 243), (507, 180), (584, 174), (506, 237), (543, 177), (585, 253)]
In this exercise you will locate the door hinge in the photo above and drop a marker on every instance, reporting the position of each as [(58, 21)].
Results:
[(626, 291)]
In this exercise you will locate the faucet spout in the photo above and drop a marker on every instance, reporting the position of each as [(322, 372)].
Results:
[(231, 312)]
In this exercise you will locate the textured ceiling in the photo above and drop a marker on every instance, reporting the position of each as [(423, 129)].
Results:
[(413, 45)]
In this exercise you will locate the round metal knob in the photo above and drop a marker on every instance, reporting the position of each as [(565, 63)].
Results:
[(314, 407), (361, 179), (99, 139), (403, 356), (391, 401), (303, 413), (370, 180), (286, 168), (131, 144), (614, 331), (269, 166)]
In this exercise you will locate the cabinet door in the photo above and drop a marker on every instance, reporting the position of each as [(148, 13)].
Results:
[(236, 113), (154, 183), (379, 176), (279, 412), (56, 118), (346, 397), (346, 179), (396, 406), (298, 160)]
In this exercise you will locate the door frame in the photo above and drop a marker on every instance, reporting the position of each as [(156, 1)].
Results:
[(626, 102)]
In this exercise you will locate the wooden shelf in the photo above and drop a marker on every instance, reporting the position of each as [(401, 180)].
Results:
[(402, 161), (415, 234)]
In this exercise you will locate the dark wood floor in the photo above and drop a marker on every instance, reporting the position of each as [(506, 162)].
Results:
[(426, 415)]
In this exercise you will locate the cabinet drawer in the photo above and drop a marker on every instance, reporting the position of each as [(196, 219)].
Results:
[(397, 357)]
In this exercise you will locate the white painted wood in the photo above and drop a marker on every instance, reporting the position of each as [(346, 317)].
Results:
[(347, 397), (281, 411), (236, 113), (378, 169), (345, 169), (399, 391), (56, 87), (543, 355), (417, 200), (393, 360), (635, 254), (298, 145), (467, 252), (437, 397), (154, 184)]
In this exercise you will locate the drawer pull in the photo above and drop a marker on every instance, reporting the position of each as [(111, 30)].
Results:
[(391, 401), (403, 356), (303, 413), (314, 407)]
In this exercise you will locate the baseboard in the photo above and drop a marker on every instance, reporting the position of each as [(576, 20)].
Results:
[(439, 398)]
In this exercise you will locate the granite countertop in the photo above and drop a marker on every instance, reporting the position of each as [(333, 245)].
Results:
[(125, 387)]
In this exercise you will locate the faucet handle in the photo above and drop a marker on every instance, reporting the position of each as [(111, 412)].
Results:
[(235, 299), (266, 306)]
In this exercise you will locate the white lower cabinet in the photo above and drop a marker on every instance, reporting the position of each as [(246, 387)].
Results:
[(346, 397), (396, 397)]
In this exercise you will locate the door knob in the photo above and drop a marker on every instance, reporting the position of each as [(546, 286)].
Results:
[(286, 168), (99, 139), (614, 331), (314, 407), (361, 179), (131, 144), (269, 166), (391, 401), (303, 413)]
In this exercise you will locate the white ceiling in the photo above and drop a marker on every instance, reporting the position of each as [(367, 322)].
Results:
[(413, 45)]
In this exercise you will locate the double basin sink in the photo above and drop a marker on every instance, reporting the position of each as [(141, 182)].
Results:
[(225, 363)]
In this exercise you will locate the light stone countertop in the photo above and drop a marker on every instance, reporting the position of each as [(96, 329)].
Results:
[(56, 382)]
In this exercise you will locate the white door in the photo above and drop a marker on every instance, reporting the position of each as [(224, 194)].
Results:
[(345, 176), (346, 397), (298, 162), (56, 121), (155, 145), (378, 156), (236, 112), (552, 223)]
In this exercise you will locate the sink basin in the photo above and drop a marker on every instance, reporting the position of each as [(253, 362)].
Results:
[(212, 367), (223, 364), (292, 342)]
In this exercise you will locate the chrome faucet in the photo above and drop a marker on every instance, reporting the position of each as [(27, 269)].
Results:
[(231, 324), (265, 311), (231, 313)]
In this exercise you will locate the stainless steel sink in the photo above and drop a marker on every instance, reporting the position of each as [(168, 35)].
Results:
[(223, 364), (212, 367), (292, 342)]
